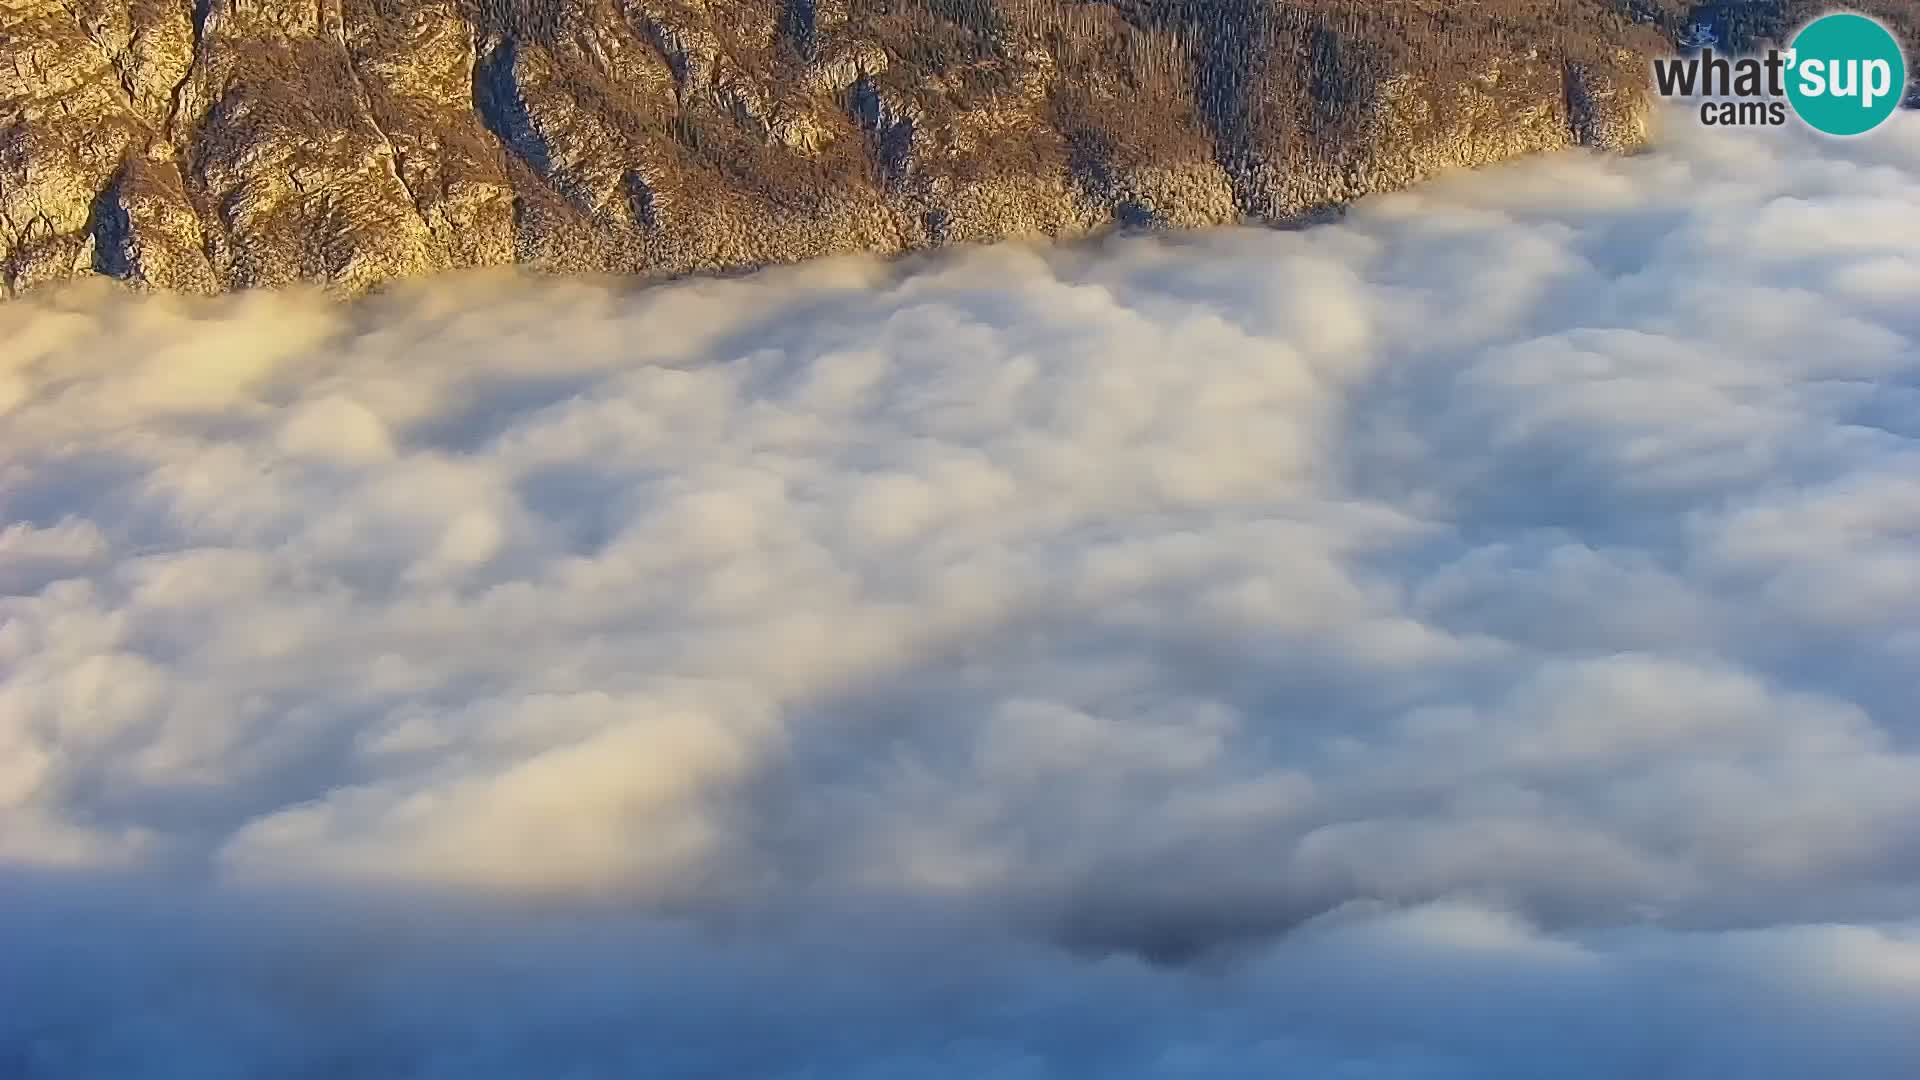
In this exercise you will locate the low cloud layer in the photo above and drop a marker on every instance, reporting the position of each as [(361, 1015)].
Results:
[(1476, 639)]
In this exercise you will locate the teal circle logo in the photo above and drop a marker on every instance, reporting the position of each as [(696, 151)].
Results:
[(1846, 74)]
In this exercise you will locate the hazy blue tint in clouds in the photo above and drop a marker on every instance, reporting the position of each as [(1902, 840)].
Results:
[(1474, 640)]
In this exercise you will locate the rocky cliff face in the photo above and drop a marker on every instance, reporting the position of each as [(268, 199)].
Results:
[(214, 144)]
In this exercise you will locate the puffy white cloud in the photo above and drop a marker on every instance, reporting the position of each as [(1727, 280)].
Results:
[(1473, 639)]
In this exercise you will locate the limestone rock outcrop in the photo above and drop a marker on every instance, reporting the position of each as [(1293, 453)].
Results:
[(204, 145)]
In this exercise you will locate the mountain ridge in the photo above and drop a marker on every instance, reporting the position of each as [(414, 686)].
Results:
[(206, 145)]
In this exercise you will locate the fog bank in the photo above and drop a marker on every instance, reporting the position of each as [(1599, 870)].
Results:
[(1474, 639)]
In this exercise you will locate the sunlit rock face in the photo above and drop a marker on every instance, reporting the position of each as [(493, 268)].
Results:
[(237, 143)]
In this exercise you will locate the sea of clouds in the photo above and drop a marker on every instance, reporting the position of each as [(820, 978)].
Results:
[(1476, 639)]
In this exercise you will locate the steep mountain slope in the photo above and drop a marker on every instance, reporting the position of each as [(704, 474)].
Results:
[(237, 143)]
